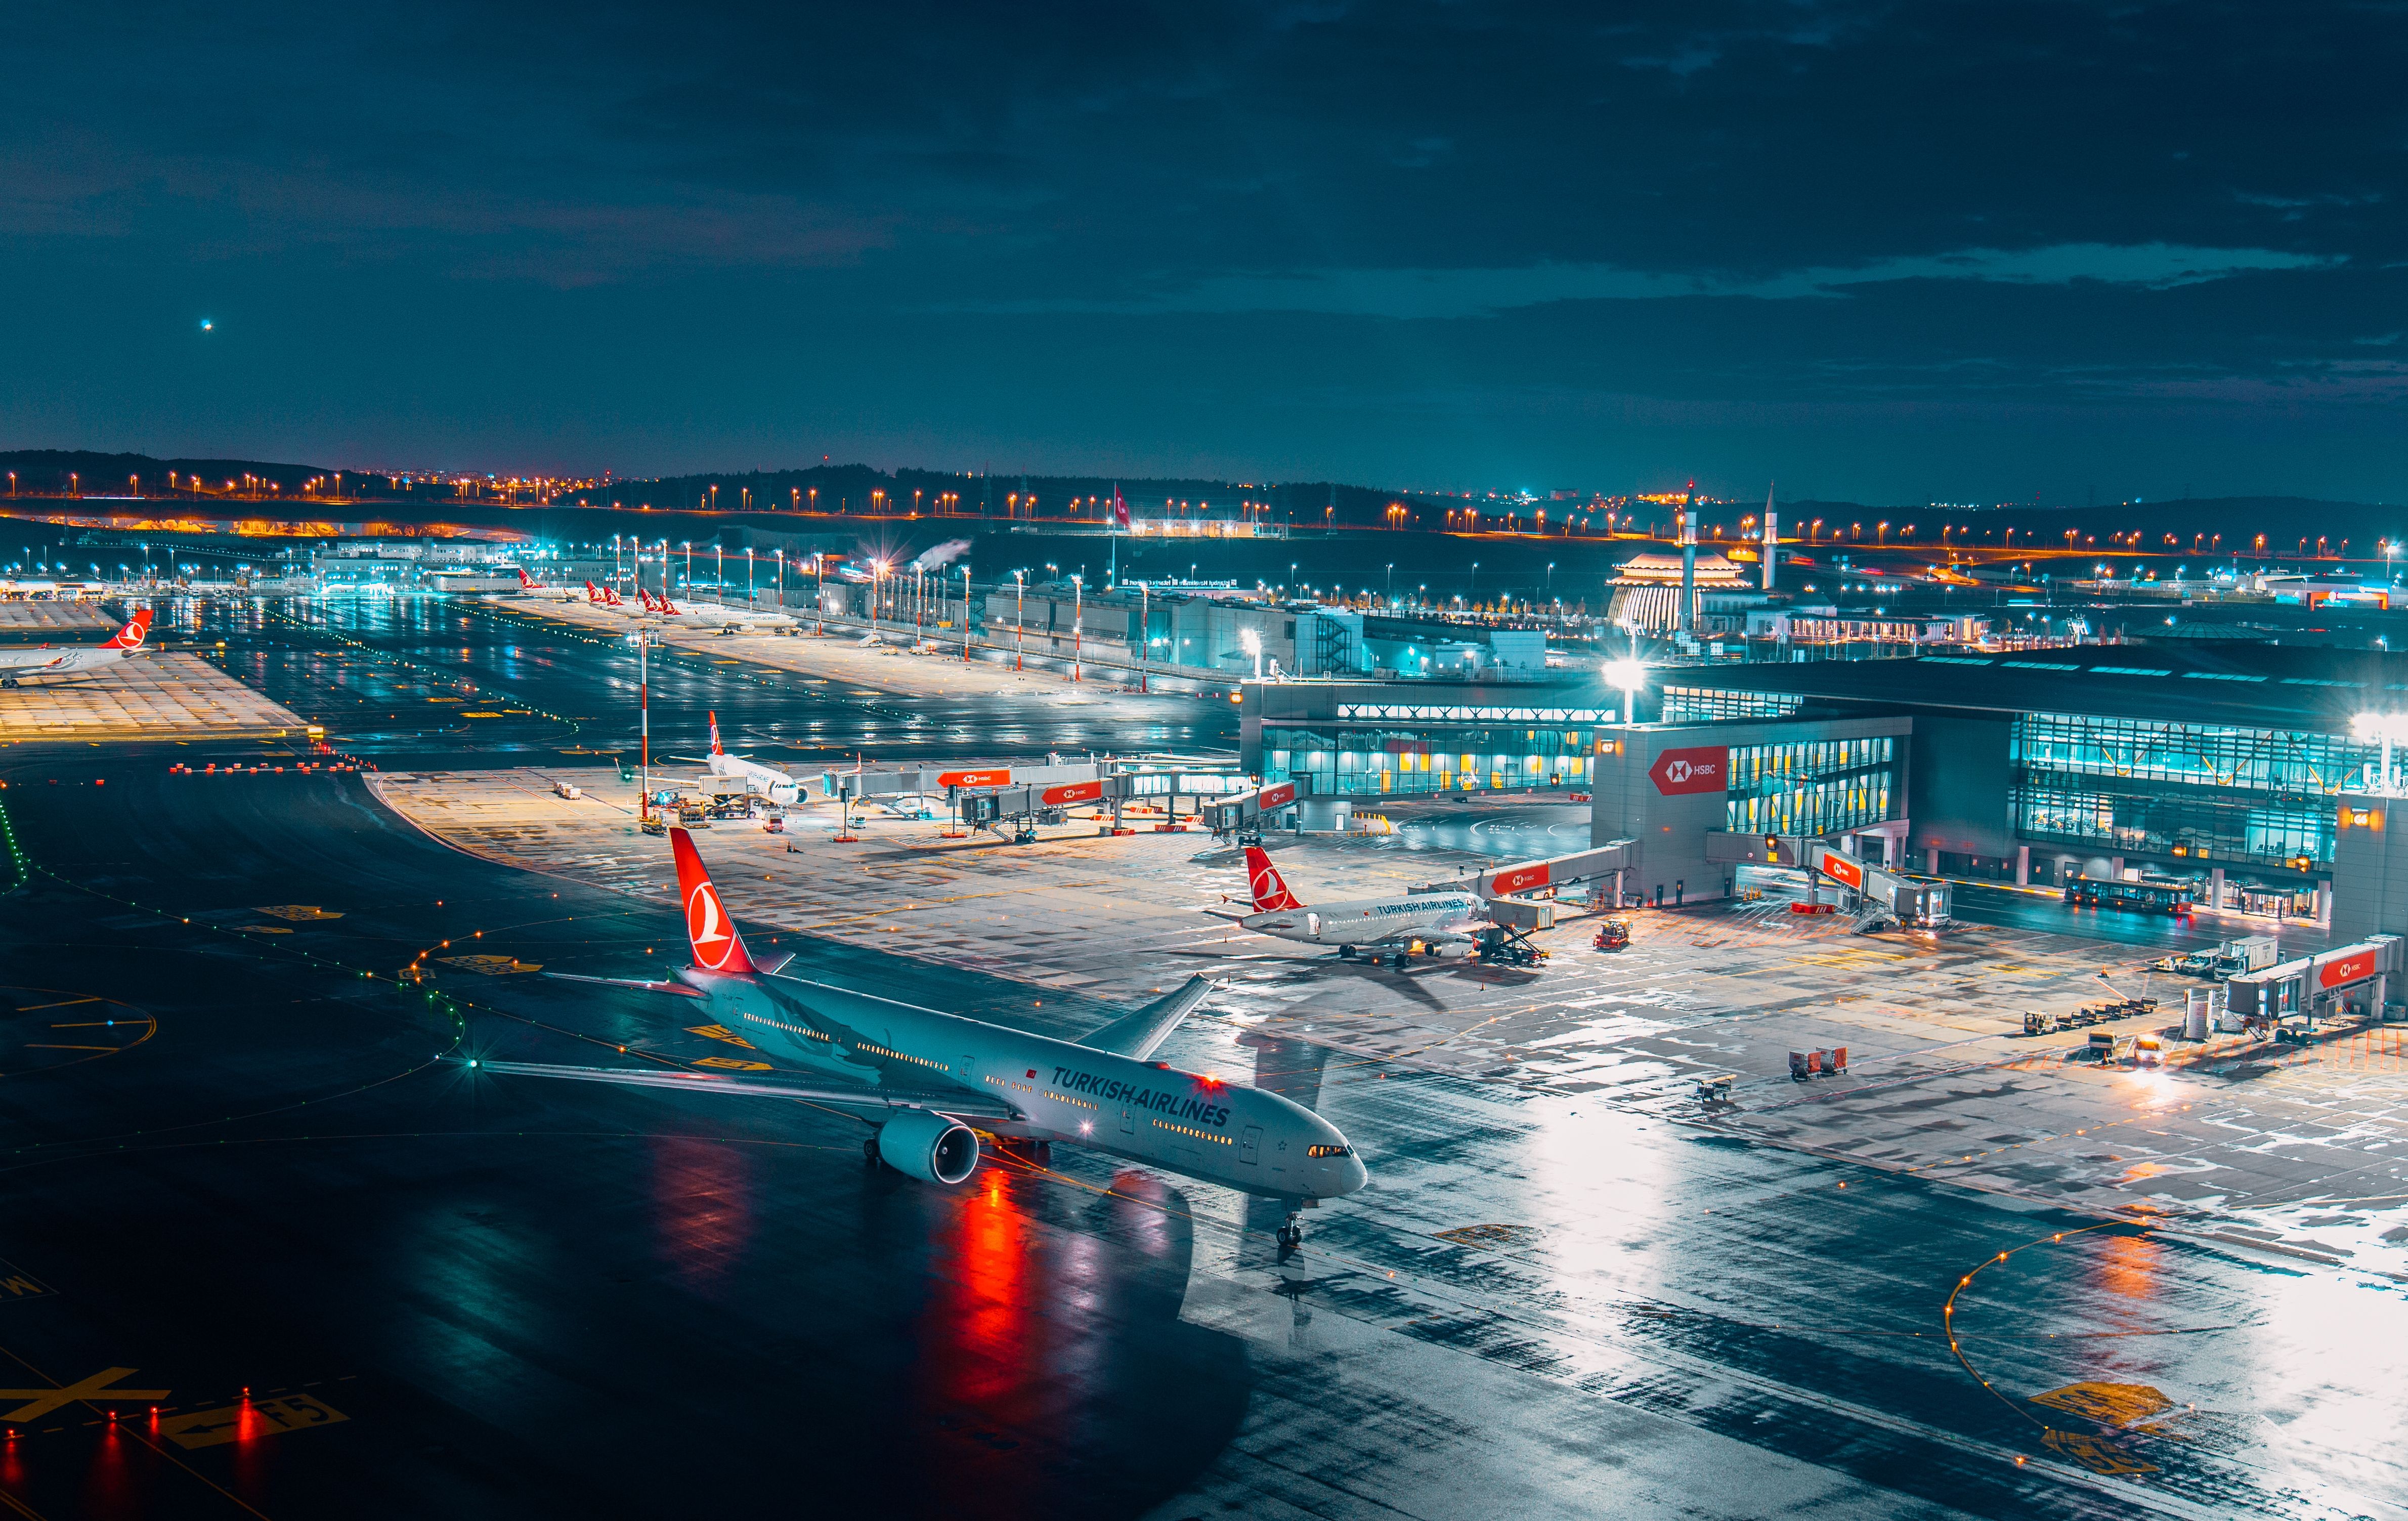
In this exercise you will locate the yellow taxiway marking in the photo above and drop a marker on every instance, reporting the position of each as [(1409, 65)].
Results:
[(40, 1403), (252, 1419), (62, 1003)]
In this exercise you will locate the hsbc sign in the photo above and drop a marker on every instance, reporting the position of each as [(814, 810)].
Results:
[(1698, 769)]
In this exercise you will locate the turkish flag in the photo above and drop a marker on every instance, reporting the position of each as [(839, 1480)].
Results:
[(1120, 508)]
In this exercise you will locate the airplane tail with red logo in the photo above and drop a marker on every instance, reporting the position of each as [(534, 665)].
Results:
[(1268, 887), (133, 634), (667, 608), (714, 735), (717, 946), (527, 582), (611, 598), (593, 593)]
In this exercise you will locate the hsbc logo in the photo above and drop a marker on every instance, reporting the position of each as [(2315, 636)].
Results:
[(1698, 769)]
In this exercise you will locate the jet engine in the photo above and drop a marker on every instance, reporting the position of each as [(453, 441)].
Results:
[(1453, 948), (928, 1147)]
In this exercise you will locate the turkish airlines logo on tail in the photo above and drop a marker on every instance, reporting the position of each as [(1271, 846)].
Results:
[(1264, 880), (133, 634), (705, 925), (714, 735), (717, 947)]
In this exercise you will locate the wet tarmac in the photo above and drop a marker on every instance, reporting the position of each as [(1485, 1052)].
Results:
[(356, 1283)]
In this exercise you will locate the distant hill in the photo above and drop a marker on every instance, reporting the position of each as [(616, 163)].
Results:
[(2205, 527), (48, 469)]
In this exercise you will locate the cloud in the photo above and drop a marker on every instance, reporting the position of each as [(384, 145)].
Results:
[(1471, 293)]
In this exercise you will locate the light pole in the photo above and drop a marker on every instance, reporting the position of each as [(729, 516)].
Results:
[(644, 703), (965, 615), (1078, 605), (1144, 636), (1019, 624), (1629, 675)]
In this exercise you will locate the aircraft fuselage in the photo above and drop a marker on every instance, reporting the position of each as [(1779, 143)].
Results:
[(1227, 1133), (1369, 919)]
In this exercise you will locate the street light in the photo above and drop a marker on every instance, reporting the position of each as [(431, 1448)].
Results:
[(2367, 729), (1629, 675)]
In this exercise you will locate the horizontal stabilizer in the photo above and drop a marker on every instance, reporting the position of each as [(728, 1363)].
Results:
[(1135, 1036), (679, 988), (964, 1105), (772, 964)]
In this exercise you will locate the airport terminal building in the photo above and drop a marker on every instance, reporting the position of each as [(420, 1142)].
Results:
[(2224, 763)]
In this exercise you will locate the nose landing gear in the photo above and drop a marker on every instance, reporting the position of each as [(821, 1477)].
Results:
[(1290, 1234)]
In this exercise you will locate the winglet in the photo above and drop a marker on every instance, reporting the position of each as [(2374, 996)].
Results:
[(133, 634), (717, 946), (1268, 887), (1137, 1035)]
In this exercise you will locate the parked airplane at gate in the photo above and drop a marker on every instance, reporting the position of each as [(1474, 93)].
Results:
[(18, 665), (529, 586), (768, 780), (930, 1073), (1389, 928)]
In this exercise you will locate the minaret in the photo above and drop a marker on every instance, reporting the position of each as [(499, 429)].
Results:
[(1685, 620), (1772, 549)]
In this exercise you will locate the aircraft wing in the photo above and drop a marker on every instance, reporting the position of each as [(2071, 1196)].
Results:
[(1135, 1036), (959, 1103), (679, 988)]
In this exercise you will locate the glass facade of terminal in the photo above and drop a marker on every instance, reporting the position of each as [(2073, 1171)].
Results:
[(1813, 787), (1698, 704), (2189, 791), (1406, 747)]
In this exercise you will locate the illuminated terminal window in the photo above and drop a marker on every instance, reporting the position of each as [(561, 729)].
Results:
[(1700, 704), (1380, 758), (1813, 787), (2200, 792)]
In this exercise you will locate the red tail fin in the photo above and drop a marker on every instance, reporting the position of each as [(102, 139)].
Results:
[(717, 947), (1268, 887), (714, 735), (133, 634), (526, 582)]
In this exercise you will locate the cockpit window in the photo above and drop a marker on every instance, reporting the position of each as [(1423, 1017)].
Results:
[(1329, 1151)]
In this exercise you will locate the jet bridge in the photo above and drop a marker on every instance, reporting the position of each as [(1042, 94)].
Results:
[(1912, 903), (1509, 889)]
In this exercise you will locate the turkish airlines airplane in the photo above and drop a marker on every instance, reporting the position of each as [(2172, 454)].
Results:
[(530, 586), (923, 1077), (1388, 928), (768, 780), (601, 596), (48, 660)]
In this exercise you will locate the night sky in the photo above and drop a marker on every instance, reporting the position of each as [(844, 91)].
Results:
[(1972, 252)]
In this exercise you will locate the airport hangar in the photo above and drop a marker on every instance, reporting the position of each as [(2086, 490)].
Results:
[(2224, 763)]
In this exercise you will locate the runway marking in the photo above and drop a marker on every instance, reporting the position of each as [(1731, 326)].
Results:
[(40, 1403), (62, 1003), (21, 1284), (249, 1421)]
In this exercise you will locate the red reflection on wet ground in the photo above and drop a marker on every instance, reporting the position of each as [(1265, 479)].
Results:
[(702, 1206), (110, 1483), (984, 1345)]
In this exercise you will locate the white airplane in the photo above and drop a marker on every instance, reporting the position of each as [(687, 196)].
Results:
[(732, 618), (926, 1076), (768, 780), (49, 660), (1388, 928), (529, 586)]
